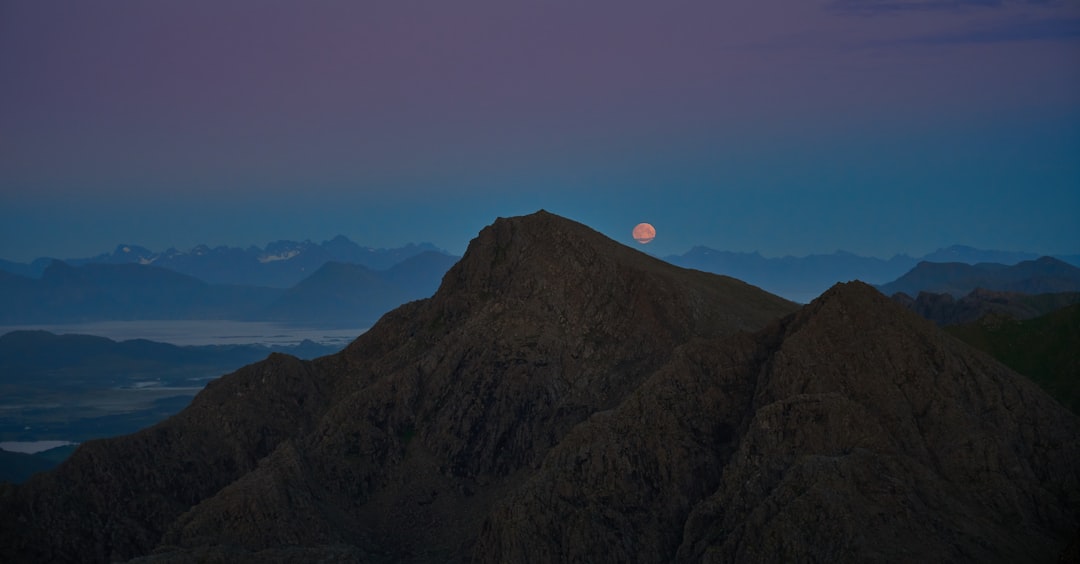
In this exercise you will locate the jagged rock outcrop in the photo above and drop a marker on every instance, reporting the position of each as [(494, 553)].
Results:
[(565, 398), (851, 431)]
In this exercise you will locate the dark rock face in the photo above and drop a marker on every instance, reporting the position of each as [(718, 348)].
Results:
[(113, 499), (848, 432), (565, 398)]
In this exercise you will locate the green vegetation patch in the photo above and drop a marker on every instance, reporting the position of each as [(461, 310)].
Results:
[(1045, 349)]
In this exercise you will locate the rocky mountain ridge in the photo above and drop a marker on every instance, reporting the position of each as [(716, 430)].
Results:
[(805, 444), (945, 309), (562, 397)]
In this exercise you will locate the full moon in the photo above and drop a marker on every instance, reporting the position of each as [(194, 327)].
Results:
[(643, 233)]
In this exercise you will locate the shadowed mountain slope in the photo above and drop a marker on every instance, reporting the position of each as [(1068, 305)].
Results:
[(432, 413), (944, 309), (456, 399), (565, 398), (1045, 349), (851, 431), (112, 498), (17, 466)]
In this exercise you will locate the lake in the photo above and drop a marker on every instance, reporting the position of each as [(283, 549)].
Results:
[(200, 332), (31, 447)]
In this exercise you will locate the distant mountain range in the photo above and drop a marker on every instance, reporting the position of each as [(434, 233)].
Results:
[(66, 293), (1040, 276), (340, 292), (336, 282), (333, 294), (280, 264), (284, 264), (804, 278), (354, 295)]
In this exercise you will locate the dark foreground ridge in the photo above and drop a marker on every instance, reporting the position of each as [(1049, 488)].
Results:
[(563, 397)]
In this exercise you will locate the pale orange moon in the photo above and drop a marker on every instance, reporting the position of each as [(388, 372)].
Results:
[(643, 233)]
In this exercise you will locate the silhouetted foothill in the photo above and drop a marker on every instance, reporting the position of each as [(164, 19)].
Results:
[(563, 397), (1041, 276)]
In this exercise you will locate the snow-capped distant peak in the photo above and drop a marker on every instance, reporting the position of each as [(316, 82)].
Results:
[(282, 256)]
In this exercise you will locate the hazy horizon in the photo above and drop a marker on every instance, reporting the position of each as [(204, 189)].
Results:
[(785, 127), (626, 240)]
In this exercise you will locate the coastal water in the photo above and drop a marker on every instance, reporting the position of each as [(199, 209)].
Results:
[(34, 419), (201, 332), (31, 447)]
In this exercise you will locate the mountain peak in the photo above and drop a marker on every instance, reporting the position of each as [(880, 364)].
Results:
[(543, 258), (854, 290), (854, 296), (523, 247), (513, 243), (135, 250), (850, 308), (1053, 262)]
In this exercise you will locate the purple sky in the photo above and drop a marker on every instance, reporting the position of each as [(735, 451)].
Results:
[(784, 126)]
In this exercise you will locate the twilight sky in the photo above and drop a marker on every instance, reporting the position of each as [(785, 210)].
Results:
[(783, 126)]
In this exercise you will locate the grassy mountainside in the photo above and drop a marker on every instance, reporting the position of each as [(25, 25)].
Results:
[(1045, 349), (944, 309)]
